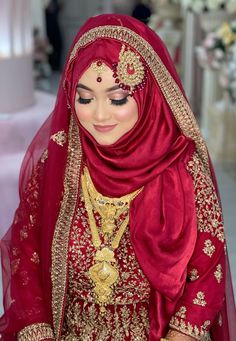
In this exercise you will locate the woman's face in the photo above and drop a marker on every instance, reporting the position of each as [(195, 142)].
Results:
[(106, 111)]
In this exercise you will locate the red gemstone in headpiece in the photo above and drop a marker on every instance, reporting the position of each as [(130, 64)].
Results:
[(99, 63), (130, 69)]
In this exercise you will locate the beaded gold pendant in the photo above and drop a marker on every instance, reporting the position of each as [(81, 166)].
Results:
[(129, 71)]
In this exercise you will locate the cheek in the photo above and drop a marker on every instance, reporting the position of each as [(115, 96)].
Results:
[(82, 112), (127, 113)]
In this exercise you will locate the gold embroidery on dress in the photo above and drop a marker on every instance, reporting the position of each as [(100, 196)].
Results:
[(15, 266), (193, 275), (37, 331), (198, 332), (208, 208), (59, 137), (181, 312), (200, 299), (84, 322), (209, 248), (218, 273), (35, 258), (24, 233)]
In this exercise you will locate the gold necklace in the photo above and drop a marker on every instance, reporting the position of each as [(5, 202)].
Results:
[(104, 272)]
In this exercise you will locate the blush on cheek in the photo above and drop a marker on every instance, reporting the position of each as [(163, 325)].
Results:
[(126, 114), (81, 114)]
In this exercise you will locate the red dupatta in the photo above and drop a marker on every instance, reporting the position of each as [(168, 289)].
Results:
[(154, 154)]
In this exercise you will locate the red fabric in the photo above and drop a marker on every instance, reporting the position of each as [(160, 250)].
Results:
[(163, 223)]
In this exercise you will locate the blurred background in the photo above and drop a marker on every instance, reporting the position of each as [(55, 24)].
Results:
[(35, 36)]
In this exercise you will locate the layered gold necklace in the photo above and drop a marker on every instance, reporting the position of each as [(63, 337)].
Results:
[(104, 273)]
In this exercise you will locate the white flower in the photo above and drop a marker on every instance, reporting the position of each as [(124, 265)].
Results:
[(219, 54)]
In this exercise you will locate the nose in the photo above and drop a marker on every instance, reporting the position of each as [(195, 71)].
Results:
[(102, 112)]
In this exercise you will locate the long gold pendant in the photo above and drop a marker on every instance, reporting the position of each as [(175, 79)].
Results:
[(104, 275)]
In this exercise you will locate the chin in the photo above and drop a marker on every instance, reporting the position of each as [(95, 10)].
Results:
[(105, 141)]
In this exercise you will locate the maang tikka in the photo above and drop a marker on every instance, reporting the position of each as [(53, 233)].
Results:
[(99, 68), (129, 72)]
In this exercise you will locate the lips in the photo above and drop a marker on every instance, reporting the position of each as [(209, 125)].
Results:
[(104, 128)]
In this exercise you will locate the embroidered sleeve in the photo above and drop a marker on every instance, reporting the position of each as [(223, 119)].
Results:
[(36, 332), (203, 296), (26, 289)]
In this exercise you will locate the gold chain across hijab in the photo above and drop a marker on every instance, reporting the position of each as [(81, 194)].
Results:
[(104, 273)]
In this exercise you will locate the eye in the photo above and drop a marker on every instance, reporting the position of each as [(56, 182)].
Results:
[(119, 101), (84, 100)]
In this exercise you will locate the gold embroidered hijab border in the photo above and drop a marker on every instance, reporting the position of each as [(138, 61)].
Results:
[(172, 93), (63, 224)]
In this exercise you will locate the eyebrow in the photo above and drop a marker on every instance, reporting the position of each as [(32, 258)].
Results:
[(82, 86)]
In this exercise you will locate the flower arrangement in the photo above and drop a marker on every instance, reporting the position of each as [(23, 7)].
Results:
[(199, 6), (218, 51)]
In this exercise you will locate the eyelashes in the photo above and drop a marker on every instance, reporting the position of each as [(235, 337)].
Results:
[(122, 101), (119, 101), (84, 100)]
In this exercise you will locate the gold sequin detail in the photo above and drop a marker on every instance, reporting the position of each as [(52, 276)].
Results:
[(218, 273), (44, 156), (35, 258), (59, 137), (181, 312), (208, 208), (209, 248), (15, 266), (200, 299), (197, 332), (193, 275), (176, 100), (37, 331)]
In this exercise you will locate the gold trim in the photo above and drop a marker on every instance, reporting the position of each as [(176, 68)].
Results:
[(36, 332), (197, 332), (62, 229), (172, 93)]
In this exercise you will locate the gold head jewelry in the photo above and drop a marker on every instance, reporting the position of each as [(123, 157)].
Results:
[(99, 67), (130, 71), (104, 273)]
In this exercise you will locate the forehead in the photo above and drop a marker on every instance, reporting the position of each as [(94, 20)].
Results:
[(90, 75)]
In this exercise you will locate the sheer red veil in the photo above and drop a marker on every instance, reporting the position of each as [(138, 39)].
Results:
[(154, 154)]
